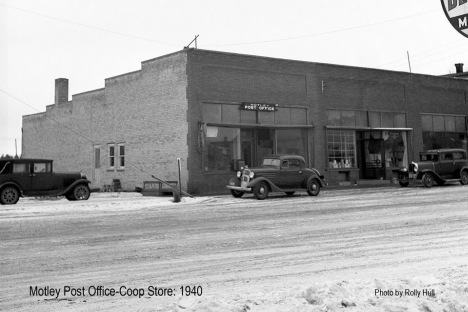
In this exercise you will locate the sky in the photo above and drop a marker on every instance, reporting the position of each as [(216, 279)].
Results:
[(88, 41)]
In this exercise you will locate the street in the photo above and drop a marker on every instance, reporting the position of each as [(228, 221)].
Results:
[(235, 254)]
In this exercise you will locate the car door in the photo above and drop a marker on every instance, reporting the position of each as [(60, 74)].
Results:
[(21, 175), (290, 174), (41, 176), (459, 160), (446, 165)]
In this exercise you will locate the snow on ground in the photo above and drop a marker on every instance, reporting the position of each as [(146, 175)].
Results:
[(421, 294)]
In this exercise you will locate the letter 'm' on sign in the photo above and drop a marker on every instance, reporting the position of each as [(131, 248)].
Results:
[(462, 23)]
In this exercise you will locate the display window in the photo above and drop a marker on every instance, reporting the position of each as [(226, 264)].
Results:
[(443, 131), (227, 148), (341, 149)]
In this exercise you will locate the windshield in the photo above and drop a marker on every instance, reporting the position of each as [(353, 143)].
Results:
[(271, 162)]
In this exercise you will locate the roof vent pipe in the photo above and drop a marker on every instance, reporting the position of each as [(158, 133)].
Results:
[(459, 67)]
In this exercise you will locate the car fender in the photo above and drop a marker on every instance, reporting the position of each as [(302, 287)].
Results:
[(463, 168), (313, 176), (11, 183), (272, 186), (436, 176), (70, 187)]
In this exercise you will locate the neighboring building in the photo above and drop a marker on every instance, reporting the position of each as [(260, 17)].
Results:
[(201, 106)]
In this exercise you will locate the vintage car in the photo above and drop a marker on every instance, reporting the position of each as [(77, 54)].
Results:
[(440, 166), (278, 173), (34, 177)]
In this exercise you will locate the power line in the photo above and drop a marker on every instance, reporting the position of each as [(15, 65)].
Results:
[(88, 26), (323, 33), (19, 100)]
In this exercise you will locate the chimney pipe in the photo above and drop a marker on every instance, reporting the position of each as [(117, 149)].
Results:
[(459, 68), (61, 90)]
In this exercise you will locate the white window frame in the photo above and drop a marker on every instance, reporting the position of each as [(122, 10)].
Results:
[(110, 157), (119, 156)]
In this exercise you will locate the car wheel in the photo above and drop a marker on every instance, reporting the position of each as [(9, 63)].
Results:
[(9, 196), (237, 194), (404, 184), (313, 187), (261, 191), (290, 193), (81, 192), (428, 179), (464, 177)]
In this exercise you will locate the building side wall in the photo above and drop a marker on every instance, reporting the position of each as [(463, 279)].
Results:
[(145, 110)]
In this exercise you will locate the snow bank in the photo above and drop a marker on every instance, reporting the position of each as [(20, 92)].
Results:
[(421, 294)]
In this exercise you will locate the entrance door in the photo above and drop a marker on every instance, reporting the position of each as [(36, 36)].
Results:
[(247, 146), (265, 144), (97, 175), (372, 158)]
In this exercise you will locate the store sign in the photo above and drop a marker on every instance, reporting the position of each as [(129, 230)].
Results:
[(259, 107), (457, 14)]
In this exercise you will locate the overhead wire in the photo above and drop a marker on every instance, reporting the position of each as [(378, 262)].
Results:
[(88, 26)]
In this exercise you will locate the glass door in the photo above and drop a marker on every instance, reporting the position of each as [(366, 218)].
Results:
[(372, 155)]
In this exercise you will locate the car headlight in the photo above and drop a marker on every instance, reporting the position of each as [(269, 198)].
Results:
[(239, 174), (415, 167), (251, 175), (83, 176), (404, 169)]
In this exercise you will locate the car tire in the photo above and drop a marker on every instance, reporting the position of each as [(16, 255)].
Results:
[(9, 195), (464, 177), (290, 193), (81, 192), (313, 187), (404, 184), (428, 179), (237, 194), (261, 191)]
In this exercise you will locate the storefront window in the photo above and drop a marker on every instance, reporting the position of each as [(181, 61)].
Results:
[(225, 147), (443, 131), (341, 148), (436, 140), (222, 148), (291, 141)]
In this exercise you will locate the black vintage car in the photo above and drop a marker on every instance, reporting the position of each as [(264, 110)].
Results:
[(439, 166), (278, 173), (34, 177)]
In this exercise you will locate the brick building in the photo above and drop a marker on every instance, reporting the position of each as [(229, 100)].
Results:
[(218, 110)]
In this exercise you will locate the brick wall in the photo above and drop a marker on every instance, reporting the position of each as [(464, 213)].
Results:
[(146, 110), (227, 77)]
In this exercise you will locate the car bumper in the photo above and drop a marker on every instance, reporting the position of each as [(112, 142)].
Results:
[(239, 188)]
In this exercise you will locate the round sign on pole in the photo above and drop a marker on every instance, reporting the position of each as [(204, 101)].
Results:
[(457, 14)]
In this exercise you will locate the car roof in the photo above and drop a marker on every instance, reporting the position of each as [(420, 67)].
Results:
[(26, 160), (441, 150), (284, 156)]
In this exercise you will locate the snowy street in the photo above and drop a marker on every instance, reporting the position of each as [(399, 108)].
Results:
[(358, 249)]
